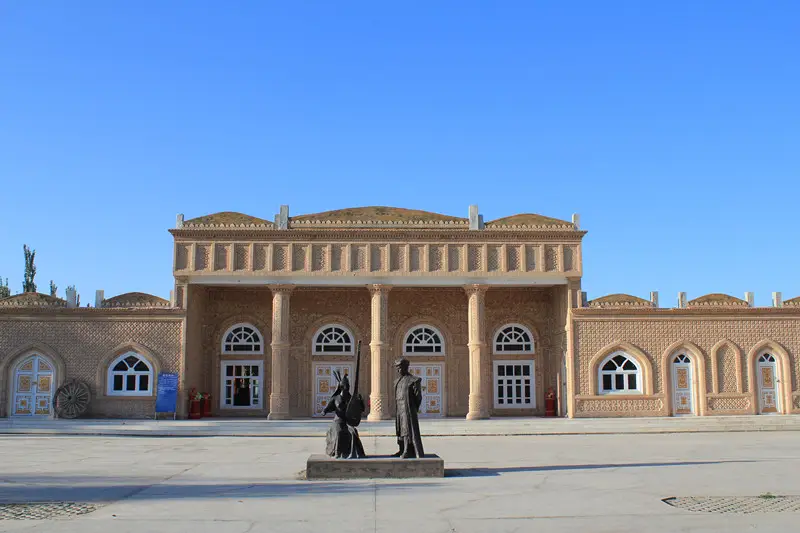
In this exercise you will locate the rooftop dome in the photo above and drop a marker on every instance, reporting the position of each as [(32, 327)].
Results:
[(620, 300), (32, 299), (717, 300), (376, 214), (135, 300), (527, 219), (227, 218)]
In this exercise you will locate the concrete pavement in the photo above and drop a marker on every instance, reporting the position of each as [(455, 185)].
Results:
[(498, 484)]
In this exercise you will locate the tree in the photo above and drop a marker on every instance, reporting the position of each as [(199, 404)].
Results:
[(53, 289), (28, 284), (5, 292)]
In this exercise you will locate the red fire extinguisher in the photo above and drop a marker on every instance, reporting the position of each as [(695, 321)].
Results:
[(550, 403)]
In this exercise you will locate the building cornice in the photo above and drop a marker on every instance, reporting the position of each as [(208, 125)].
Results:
[(599, 314), (90, 312), (252, 233)]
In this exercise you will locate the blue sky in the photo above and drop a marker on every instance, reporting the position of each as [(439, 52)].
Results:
[(673, 128)]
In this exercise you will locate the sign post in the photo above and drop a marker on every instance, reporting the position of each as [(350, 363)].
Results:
[(167, 394)]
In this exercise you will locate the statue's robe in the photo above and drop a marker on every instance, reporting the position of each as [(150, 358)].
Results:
[(408, 395), (342, 440)]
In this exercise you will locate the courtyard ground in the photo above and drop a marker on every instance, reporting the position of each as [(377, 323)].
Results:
[(592, 483)]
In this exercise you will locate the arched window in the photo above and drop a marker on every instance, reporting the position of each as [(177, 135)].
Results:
[(766, 358), (130, 374), (423, 340), (681, 359), (333, 339), (513, 338), (619, 372), (242, 338)]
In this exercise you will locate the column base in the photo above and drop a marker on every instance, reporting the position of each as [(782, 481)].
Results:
[(377, 417), (279, 416), (477, 416)]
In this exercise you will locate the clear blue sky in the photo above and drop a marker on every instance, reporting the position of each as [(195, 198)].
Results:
[(673, 128)]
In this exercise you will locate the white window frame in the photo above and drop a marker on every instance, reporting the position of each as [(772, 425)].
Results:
[(224, 377), (531, 364), (319, 332), (638, 373), (260, 351), (501, 331), (110, 373), (436, 331)]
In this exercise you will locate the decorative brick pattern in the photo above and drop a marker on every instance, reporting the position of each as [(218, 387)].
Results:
[(182, 252), (415, 260), (726, 368), (741, 403), (493, 251), (202, 259), (454, 259), (475, 257), (569, 258), (260, 252), (398, 257), (221, 254), (377, 261), (358, 263), (512, 258), (551, 258), (281, 259), (337, 256), (436, 259), (620, 405), (530, 257), (318, 253), (84, 345), (653, 334), (241, 258), (299, 257)]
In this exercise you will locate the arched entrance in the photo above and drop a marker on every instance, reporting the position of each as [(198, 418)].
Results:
[(768, 380), (33, 379), (683, 402)]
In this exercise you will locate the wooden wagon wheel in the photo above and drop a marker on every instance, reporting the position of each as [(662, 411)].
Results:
[(72, 399)]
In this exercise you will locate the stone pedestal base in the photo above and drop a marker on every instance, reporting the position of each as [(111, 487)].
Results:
[(380, 467)]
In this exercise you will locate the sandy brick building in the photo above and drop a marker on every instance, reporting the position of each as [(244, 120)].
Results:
[(490, 314)]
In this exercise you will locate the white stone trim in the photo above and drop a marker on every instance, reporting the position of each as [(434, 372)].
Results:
[(347, 331), (525, 330), (110, 373), (260, 351)]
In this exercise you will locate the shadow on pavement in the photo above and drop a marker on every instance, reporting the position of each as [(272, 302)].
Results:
[(489, 471), (62, 490)]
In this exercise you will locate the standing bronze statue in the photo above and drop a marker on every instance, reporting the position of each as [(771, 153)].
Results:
[(408, 394), (342, 441)]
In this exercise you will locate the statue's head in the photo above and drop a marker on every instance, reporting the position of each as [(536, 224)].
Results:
[(402, 366), (345, 383)]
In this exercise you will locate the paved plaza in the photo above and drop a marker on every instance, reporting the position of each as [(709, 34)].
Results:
[(493, 484)]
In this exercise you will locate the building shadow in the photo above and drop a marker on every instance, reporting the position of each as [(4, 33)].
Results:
[(102, 490), (490, 471)]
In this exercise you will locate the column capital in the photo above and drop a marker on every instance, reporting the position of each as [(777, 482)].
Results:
[(283, 288), (475, 288), (378, 288)]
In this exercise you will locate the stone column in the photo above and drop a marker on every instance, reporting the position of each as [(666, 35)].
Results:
[(379, 351), (479, 363), (279, 393)]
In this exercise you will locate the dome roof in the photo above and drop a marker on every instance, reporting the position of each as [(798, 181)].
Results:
[(620, 300), (376, 215), (227, 218), (527, 219), (32, 299), (717, 300), (793, 302), (135, 299)]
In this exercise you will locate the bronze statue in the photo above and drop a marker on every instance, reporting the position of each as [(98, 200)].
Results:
[(408, 393), (342, 441)]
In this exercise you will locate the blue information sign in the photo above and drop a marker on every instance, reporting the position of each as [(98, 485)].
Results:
[(167, 393)]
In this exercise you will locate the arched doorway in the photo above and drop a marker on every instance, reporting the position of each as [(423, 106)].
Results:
[(682, 386), (34, 379), (768, 379)]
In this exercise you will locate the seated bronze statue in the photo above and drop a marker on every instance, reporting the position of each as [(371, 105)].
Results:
[(342, 441)]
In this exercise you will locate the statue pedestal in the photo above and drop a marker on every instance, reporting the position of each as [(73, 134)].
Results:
[(379, 467)]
